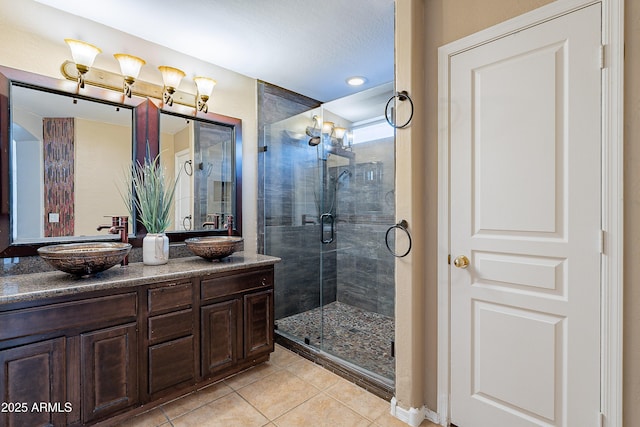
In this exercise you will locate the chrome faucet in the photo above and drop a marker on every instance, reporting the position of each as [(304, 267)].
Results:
[(119, 225)]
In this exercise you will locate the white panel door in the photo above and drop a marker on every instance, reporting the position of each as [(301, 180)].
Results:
[(525, 211)]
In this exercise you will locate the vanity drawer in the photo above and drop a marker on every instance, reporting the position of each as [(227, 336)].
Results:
[(68, 315), (228, 285), (169, 326), (170, 296)]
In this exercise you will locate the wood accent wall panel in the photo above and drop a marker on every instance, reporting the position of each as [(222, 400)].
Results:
[(59, 157)]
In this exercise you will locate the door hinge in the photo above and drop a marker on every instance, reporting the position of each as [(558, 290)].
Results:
[(449, 259), (602, 56), (601, 243)]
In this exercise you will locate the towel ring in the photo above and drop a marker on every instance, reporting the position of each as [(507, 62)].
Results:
[(402, 225), (402, 96), (188, 163), (187, 220)]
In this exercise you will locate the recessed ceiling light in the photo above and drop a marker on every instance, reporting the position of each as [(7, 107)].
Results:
[(356, 81)]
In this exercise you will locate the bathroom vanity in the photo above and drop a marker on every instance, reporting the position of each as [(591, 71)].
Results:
[(84, 351)]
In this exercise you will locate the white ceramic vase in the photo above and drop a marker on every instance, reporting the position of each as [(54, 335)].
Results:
[(155, 249)]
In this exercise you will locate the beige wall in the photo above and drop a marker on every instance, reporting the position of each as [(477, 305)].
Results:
[(631, 336), (32, 39), (102, 153), (414, 321)]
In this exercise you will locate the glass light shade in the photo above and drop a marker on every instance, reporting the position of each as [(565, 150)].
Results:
[(327, 127), (171, 76), (205, 85), (83, 53), (129, 65), (339, 132)]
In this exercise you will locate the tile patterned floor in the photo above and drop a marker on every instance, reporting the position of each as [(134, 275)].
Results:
[(359, 336), (287, 391)]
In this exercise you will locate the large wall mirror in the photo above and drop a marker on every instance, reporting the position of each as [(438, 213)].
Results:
[(201, 156), (204, 153), (68, 159), (65, 156)]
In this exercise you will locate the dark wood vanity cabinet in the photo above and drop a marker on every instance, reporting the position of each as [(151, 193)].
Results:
[(258, 323), (69, 362), (171, 337), (221, 332), (31, 374), (95, 356), (109, 361), (237, 319)]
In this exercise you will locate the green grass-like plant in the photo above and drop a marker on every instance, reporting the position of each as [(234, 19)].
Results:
[(151, 194)]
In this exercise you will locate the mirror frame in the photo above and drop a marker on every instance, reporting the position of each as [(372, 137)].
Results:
[(154, 109), (8, 76)]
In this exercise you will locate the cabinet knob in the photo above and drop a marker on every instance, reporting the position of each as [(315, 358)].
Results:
[(264, 281)]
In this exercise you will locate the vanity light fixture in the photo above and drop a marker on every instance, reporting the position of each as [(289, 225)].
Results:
[(130, 66), (171, 77), (327, 128), (83, 55), (339, 133), (205, 87)]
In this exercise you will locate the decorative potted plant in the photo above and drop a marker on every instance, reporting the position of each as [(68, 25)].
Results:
[(151, 195)]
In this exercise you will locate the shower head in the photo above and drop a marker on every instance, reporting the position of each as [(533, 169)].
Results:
[(343, 173), (315, 130), (315, 140)]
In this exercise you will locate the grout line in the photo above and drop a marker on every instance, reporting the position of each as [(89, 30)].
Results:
[(269, 420), (166, 416)]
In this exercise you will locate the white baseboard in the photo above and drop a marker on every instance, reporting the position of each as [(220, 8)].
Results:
[(413, 416)]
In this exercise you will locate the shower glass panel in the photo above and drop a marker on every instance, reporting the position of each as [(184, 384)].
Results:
[(329, 199)]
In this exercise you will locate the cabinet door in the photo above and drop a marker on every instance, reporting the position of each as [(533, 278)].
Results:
[(258, 323), (31, 375), (109, 371), (221, 332), (171, 363)]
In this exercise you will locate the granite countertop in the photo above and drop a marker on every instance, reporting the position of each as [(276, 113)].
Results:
[(30, 287)]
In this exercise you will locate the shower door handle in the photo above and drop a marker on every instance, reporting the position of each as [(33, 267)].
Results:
[(324, 219)]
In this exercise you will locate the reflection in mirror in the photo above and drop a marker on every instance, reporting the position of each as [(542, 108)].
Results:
[(68, 157), (203, 154)]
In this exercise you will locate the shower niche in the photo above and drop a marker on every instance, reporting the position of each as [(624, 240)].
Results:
[(328, 200)]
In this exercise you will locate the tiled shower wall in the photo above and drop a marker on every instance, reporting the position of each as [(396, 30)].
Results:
[(297, 278), (366, 209), (357, 269)]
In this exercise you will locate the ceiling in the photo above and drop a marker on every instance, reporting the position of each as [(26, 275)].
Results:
[(307, 46)]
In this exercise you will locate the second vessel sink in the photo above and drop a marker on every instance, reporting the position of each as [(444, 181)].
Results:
[(83, 259), (214, 247)]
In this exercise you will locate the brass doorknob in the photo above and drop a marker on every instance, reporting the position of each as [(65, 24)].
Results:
[(461, 261)]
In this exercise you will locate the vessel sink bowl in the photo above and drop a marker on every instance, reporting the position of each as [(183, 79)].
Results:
[(84, 259), (214, 247)]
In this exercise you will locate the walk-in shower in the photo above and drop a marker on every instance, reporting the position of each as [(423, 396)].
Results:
[(329, 200)]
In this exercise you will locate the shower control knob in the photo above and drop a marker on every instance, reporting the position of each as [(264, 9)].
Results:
[(461, 261)]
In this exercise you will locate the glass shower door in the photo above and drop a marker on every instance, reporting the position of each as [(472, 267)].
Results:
[(329, 199), (293, 201)]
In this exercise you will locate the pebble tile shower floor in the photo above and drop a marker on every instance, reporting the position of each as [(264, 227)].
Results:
[(358, 336)]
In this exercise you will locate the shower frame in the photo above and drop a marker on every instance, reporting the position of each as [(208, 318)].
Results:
[(324, 153)]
